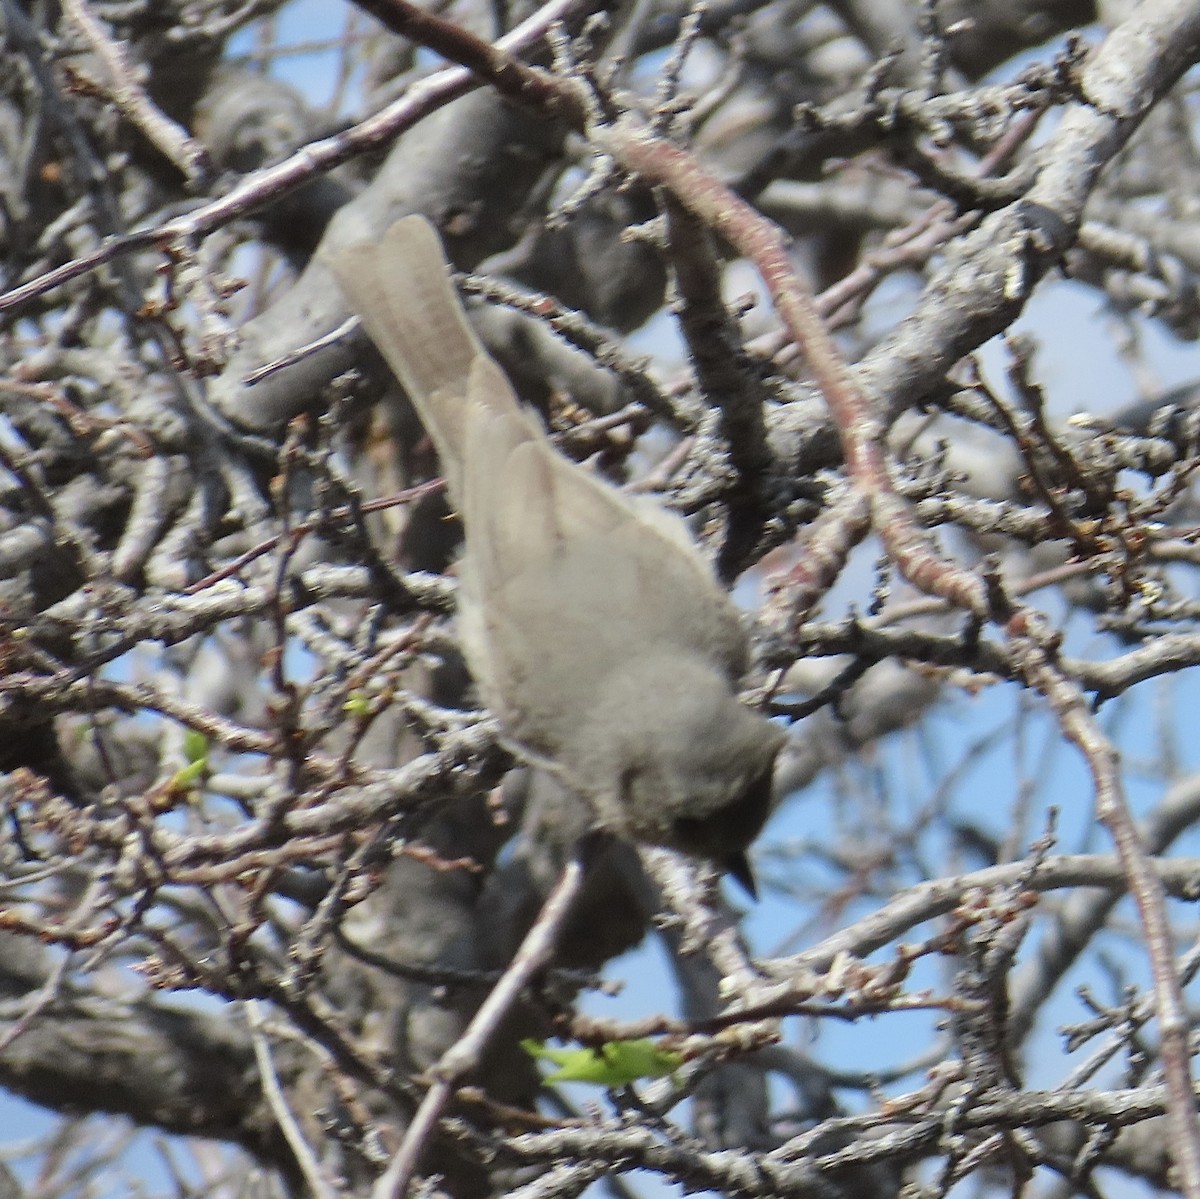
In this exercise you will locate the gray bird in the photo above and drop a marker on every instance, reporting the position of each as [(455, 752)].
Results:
[(595, 630)]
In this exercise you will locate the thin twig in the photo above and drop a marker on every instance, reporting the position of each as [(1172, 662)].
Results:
[(465, 1054), (126, 94), (277, 1102)]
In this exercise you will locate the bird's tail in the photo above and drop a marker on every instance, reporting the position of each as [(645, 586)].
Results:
[(401, 290)]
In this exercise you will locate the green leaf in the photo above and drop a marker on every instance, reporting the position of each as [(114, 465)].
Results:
[(359, 704), (195, 746), (189, 778), (613, 1064)]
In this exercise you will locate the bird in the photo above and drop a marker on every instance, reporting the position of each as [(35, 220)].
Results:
[(594, 628)]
